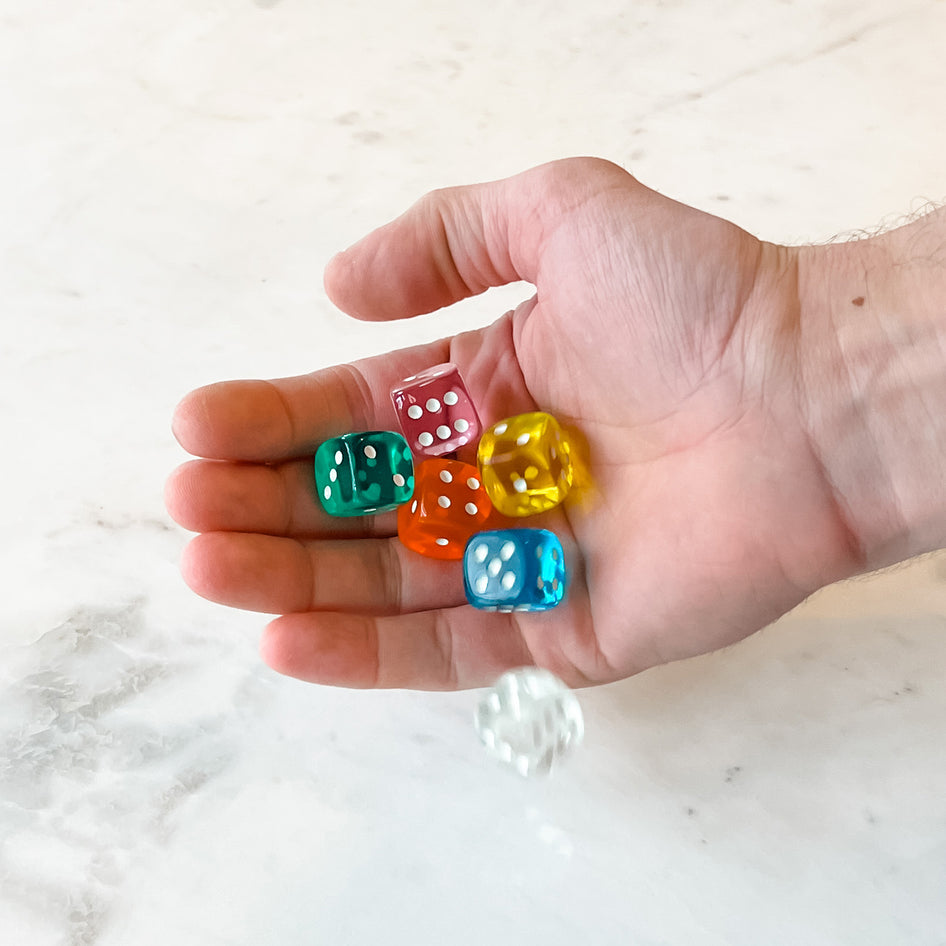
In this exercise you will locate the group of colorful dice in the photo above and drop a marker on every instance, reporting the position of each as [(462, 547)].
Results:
[(523, 468)]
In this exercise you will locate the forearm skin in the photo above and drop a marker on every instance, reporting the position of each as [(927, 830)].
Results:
[(873, 372)]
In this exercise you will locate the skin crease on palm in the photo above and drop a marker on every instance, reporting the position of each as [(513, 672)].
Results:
[(667, 338)]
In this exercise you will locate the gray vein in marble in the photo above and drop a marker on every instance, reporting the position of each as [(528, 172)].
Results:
[(793, 58), (83, 776)]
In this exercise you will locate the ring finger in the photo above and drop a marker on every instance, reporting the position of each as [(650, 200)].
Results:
[(278, 575)]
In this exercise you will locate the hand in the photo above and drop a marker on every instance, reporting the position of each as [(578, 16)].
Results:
[(667, 337)]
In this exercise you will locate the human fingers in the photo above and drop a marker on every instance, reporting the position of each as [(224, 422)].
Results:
[(278, 575), (449, 649), (273, 499)]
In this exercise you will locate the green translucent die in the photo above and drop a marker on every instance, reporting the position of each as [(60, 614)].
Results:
[(361, 473)]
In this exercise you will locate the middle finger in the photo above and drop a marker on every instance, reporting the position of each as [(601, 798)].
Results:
[(278, 499)]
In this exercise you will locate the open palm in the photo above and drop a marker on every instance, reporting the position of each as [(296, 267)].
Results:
[(663, 337)]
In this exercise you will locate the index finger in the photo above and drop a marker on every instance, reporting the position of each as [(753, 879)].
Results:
[(266, 421)]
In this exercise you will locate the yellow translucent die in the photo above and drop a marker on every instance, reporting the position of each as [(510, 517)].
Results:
[(525, 464)]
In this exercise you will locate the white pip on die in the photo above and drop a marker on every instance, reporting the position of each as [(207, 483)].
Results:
[(435, 411)]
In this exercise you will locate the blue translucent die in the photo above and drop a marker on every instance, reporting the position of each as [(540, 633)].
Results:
[(514, 570), (361, 473)]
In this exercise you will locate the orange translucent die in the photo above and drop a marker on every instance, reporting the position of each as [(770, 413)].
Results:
[(525, 464), (449, 505)]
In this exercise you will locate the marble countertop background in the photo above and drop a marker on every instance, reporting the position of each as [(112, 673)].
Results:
[(173, 177)]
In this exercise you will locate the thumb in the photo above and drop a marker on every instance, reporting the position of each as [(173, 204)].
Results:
[(453, 243)]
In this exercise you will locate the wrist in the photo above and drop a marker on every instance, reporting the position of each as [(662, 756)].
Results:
[(873, 370)]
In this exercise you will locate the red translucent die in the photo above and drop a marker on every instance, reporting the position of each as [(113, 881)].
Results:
[(435, 411), (449, 505)]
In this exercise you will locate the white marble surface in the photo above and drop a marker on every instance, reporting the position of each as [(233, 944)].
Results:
[(172, 178)]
